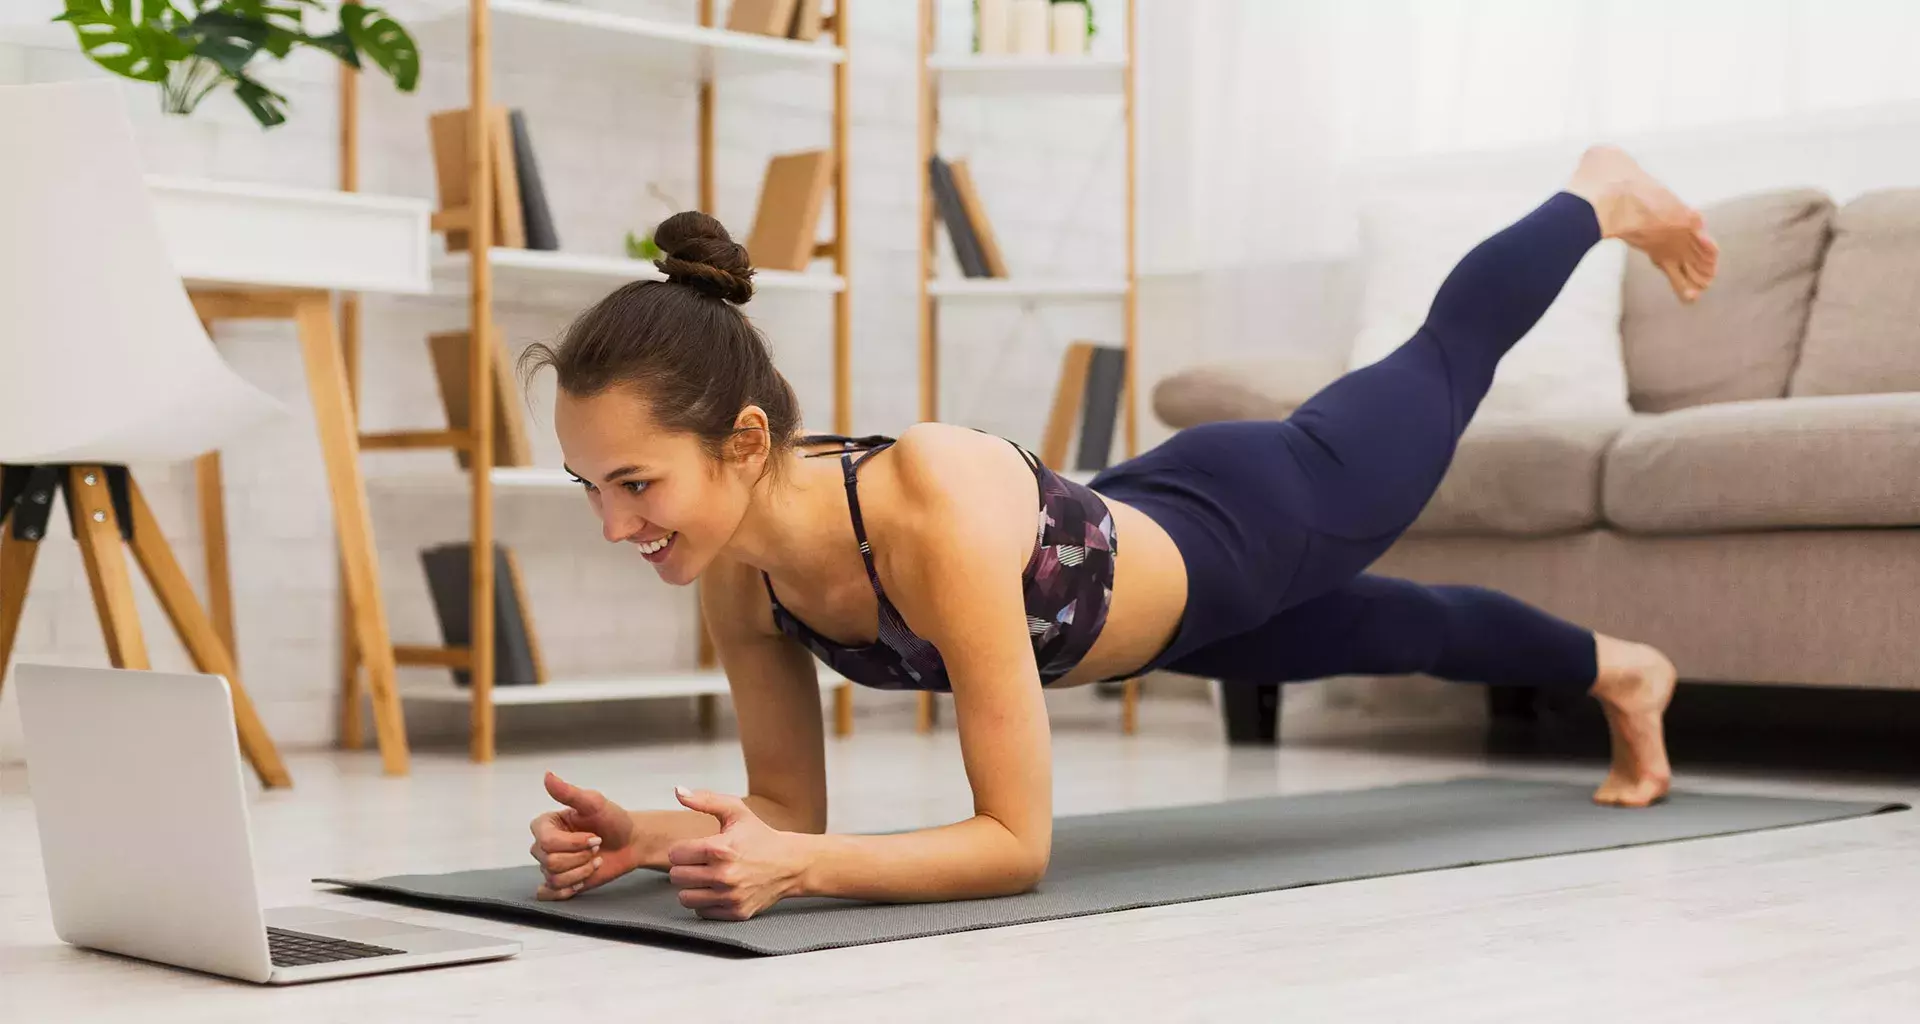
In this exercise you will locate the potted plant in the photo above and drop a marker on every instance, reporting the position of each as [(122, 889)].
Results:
[(191, 47)]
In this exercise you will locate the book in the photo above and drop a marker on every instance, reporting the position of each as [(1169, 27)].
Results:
[(533, 195), (976, 215), (807, 21), (516, 655), (511, 445), (966, 249), (451, 146), (1106, 378), (761, 17), (784, 227), (1069, 396)]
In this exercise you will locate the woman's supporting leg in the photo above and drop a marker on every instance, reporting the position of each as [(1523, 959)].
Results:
[(1377, 625)]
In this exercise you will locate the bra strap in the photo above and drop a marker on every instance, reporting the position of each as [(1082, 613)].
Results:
[(851, 467)]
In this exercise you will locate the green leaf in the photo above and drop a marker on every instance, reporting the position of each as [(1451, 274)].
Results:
[(268, 107), (642, 248), (340, 44), (112, 38), (227, 39), (384, 42)]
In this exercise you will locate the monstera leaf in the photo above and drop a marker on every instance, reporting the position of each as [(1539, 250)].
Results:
[(134, 38), (188, 47), (384, 42)]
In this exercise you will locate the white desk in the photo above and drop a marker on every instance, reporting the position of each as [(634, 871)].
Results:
[(265, 252)]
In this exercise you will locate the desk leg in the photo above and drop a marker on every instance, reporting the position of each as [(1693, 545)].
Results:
[(340, 444), (201, 638)]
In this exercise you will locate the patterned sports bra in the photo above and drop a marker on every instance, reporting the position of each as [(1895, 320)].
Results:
[(1068, 585)]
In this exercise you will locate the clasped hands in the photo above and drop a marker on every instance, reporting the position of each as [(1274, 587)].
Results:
[(730, 876)]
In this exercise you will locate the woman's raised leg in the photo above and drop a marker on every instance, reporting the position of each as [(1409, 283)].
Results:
[(1377, 625)]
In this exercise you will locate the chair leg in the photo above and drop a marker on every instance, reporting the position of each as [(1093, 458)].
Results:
[(97, 530), (340, 445), (16, 569), (213, 536), (200, 637), (1130, 708)]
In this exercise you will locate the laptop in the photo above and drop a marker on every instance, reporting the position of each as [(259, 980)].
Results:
[(139, 793)]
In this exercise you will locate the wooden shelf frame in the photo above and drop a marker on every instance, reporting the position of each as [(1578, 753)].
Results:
[(1011, 75), (479, 278)]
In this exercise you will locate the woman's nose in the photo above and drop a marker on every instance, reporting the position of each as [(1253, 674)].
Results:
[(617, 526)]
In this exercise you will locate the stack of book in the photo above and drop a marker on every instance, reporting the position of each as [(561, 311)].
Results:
[(974, 245), (520, 214), (792, 19)]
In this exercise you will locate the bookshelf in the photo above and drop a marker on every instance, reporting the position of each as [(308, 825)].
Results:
[(1012, 77), (485, 273)]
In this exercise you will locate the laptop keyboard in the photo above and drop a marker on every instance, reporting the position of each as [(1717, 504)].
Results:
[(298, 949)]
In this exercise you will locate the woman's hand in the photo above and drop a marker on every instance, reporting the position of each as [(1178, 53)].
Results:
[(748, 867), (588, 843)]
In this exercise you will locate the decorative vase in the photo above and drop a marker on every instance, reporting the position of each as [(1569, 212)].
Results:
[(1069, 28), (1028, 24), (990, 27)]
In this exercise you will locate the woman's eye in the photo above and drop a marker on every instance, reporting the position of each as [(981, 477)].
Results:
[(634, 486), (579, 481)]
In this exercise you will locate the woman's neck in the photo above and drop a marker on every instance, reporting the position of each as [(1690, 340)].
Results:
[(796, 519)]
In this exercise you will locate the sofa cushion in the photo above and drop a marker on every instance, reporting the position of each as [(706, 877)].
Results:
[(1836, 461), (1863, 334), (1740, 339), (1252, 389), (1523, 476)]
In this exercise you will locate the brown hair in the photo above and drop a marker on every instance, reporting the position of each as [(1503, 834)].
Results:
[(678, 344)]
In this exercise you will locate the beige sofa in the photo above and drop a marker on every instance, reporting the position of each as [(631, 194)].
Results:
[(1758, 515)]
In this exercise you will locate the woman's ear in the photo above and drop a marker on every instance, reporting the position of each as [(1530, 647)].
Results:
[(751, 442)]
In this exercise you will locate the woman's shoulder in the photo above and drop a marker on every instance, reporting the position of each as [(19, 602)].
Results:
[(944, 483)]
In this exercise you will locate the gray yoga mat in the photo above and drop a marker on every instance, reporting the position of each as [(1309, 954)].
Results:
[(1146, 858)]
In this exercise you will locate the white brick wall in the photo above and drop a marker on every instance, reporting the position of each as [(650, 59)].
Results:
[(1048, 172)]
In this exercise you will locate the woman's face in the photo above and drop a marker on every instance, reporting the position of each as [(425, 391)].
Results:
[(658, 491)]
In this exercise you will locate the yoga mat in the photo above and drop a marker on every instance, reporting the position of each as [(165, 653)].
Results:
[(1145, 858)]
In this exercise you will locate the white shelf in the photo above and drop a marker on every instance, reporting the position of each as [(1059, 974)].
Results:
[(1013, 288), (520, 274), (975, 75), (235, 235), (649, 686), (528, 32)]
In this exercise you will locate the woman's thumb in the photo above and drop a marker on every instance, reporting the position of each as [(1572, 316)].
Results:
[(566, 792), (727, 808)]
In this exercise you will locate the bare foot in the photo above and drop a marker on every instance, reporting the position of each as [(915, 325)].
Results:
[(1635, 684), (1640, 211)]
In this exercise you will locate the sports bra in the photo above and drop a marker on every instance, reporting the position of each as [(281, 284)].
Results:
[(1068, 584)]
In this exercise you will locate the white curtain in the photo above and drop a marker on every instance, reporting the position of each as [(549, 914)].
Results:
[(1263, 114)]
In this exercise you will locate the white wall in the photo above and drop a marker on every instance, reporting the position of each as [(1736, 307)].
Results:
[(1048, 174)]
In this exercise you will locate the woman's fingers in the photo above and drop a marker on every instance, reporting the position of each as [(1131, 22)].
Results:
[(699, 876), (551, 835), (567, 879), (554, 863)]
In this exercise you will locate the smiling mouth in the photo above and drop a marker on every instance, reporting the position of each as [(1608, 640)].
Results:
[(656, 548)]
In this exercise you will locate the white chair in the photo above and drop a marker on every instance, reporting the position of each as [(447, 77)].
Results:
[(103, 362)]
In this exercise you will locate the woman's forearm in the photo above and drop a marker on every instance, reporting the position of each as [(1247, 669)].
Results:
[(972, 859), (659, 830)]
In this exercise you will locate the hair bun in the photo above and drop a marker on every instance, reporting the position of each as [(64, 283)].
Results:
[(701, 255)]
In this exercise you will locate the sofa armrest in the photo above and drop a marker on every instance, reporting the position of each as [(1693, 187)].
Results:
[(1268, 388)]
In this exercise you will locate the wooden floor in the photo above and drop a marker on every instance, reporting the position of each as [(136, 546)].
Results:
[(1820, 921)]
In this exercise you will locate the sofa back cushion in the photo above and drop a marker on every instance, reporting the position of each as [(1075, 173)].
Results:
[(1740, 340), (1863, 335)]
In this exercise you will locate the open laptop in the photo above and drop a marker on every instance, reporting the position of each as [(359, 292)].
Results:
[(138, 789)]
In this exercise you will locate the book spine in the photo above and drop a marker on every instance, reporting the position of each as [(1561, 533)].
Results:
[(533, 197), (966, 248)]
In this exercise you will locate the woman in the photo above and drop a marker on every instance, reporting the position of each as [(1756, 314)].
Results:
[(923, 563)]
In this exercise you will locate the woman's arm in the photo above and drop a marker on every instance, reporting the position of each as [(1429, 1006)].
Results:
[(776, 700), (954, 561)]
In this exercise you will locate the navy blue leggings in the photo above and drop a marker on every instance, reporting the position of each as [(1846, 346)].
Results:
[(1277, 521)]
